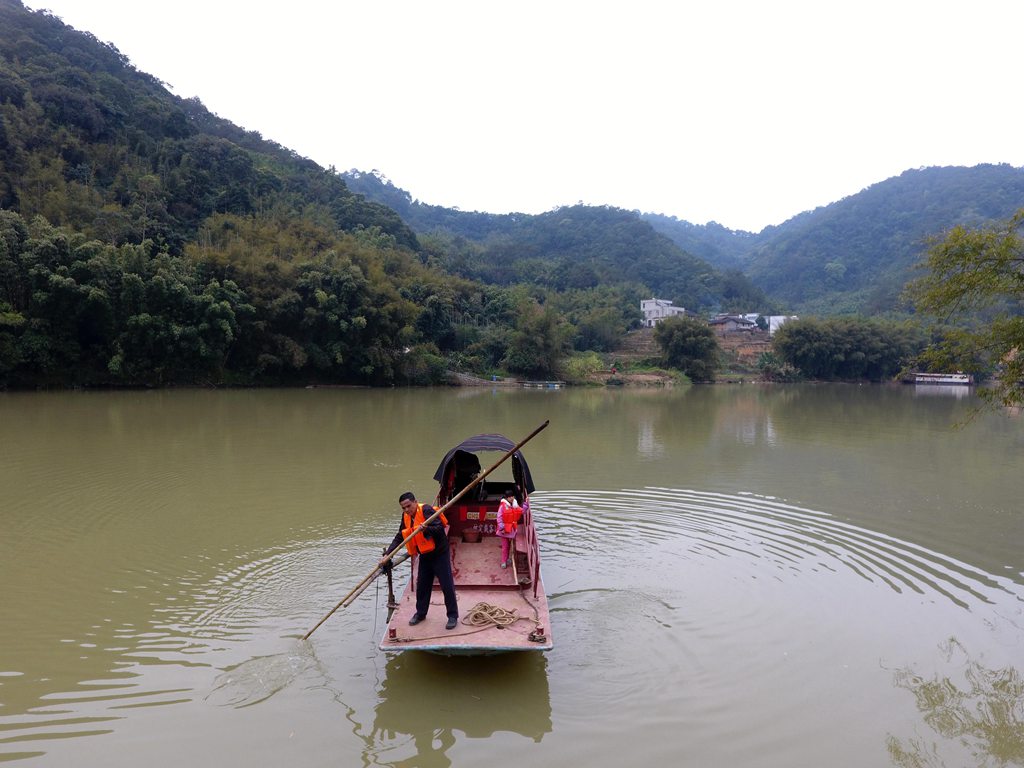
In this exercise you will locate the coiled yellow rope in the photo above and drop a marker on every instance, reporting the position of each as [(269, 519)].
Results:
[(485, 614)]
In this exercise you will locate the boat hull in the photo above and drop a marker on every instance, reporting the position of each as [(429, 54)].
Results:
[(479, 580)]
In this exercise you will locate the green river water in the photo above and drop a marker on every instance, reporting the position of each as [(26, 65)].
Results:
[(738, 576)]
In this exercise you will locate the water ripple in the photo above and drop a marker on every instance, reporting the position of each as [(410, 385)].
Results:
[(219, 627), (761, 531)]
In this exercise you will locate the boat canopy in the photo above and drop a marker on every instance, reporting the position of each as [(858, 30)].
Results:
[(487, 443)]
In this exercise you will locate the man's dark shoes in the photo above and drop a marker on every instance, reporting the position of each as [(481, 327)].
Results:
[(451, 624), (416, 618)]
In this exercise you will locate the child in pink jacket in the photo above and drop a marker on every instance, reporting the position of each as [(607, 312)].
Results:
[(509, 513)]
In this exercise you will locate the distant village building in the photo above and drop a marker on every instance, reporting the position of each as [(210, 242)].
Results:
[(656, 310), (732, 324), (776, 321)]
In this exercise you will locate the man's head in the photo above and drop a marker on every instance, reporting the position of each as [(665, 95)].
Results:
[(510, 493), (407, 502)]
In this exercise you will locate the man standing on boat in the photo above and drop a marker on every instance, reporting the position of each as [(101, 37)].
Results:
[(431, 546)]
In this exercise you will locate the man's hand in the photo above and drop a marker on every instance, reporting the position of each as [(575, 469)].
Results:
[(433, 528), (385, 567)]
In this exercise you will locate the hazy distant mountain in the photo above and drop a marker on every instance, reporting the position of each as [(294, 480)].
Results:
[(575, 247), (856, 254), (721, 247)]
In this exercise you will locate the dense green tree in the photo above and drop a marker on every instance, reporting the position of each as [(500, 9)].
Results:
[(601, 329), (689, 344), (975, 279), (847, 348), (601, 315), (77, 311), (11, 323), (539, 343), (772, 368)]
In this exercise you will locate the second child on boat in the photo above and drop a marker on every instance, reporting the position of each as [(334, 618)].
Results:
[(509, 513)]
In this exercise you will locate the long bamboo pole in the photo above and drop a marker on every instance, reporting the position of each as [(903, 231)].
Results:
[(358, 589)]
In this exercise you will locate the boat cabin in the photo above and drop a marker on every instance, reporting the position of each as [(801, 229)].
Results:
[(473, 518)]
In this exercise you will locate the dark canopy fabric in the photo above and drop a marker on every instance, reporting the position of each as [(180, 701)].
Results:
[(487, 443)]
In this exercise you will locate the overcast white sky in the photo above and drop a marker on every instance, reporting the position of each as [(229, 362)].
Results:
[(745, 112)]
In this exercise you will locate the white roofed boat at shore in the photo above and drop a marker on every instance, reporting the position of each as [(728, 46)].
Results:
[(961, 379)]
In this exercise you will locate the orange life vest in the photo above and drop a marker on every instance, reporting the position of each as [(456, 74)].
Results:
[(418, 543), (510, 516)]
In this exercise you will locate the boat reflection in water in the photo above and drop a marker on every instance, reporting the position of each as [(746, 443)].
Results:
[(942, 390), (948, 384), (434, 700)]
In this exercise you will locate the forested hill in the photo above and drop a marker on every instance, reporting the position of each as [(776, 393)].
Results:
[(856, 254), (571, 248), (88, 141), (721, 247), (852, 256), (146, 241)]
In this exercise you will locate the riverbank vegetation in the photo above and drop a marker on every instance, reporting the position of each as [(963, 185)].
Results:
[(844, 349), (974, 285), (689, 345)]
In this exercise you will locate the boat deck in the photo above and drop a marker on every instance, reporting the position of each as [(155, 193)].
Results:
[(478, 564), (478, 579)]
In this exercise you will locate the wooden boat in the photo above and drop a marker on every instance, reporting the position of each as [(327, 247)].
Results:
[(489, 596)]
